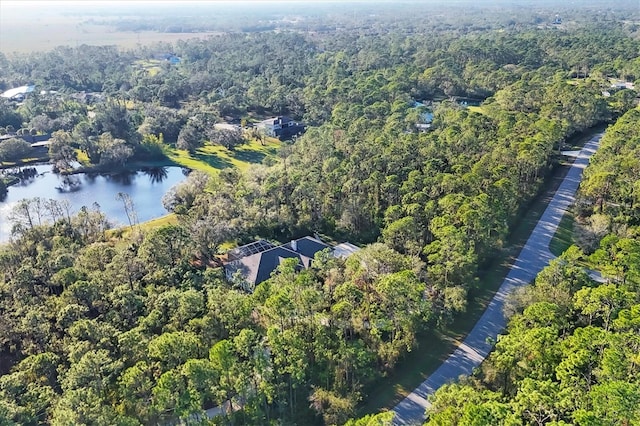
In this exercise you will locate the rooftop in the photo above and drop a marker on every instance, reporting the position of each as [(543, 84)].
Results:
[(257, 261), (345, 250), (249, 249), (22, 90), (258, 267)]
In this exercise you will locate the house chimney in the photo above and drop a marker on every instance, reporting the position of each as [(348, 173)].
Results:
[(294, 245)]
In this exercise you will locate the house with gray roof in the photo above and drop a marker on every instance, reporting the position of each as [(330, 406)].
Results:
[(256, 262), (281, 127)]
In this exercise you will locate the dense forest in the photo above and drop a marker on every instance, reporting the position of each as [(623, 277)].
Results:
[(405, 16), (570, 354), (105, 328)]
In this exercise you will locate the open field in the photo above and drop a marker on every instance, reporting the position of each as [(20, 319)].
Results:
[(22, 162), (151, 66), (213, 158), (478, 109), (39, 33), (124, 233)]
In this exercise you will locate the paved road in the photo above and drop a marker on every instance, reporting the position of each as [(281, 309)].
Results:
[(534, 256)]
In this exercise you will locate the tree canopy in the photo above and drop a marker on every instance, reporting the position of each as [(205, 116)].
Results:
[(569, 353), (101, 328)]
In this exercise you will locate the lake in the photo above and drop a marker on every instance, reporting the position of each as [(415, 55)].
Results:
[(145, 187)]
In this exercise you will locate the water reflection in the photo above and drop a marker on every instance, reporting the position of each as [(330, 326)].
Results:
[(70, 183), (156, 174), (25, 174), (124, 178), (146, 189)]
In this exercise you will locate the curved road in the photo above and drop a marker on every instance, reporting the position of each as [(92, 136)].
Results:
[(535, 255)]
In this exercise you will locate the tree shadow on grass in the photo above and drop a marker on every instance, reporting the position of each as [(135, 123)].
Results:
[(249, 156), (213, 160)]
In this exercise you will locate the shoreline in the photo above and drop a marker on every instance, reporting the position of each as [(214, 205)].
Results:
[(39, 170), (128, 167), (133, 166)]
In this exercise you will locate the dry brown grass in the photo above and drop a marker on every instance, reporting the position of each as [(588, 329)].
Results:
[(46, 31)]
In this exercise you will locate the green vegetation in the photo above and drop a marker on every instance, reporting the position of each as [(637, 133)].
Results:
[(569, 354), (136, 326), (126, 233), (418, 364), (563, 238), (213, 158), (152, 66)]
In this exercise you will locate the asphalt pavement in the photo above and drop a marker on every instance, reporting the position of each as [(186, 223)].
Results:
[(533, 257)]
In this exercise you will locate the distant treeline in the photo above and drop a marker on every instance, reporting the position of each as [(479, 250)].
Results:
[(409, 16)]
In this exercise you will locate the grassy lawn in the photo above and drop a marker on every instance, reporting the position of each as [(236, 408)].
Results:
[(435, 346), (563, 238), (213, 158), (8, 181), (82, 157), (169, 219), (151, 66), (478, 109), (22, 162), (209, 159), (124, 232)]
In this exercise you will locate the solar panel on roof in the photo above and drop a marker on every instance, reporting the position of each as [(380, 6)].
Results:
[(250, 249)]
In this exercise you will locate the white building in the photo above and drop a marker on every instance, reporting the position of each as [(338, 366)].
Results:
[(18, 92)]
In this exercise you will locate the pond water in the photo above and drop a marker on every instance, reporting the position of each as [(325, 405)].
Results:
[(145, 187)]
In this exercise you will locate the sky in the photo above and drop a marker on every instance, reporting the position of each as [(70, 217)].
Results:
[(67, 3), (63, 5), (76, 3)]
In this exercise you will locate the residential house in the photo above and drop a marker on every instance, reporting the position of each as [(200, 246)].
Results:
[(27, 137), (256, 262), (169, 57), (621, 84), (281, 127), (18, 93), (88, 97), (425, 117)]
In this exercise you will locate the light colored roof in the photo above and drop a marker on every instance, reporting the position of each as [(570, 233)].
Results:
[(267, 122), (226, 126), (596, 276), (427, 117), (620, 84), (274, 120), (345, 250), (18, 91)]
